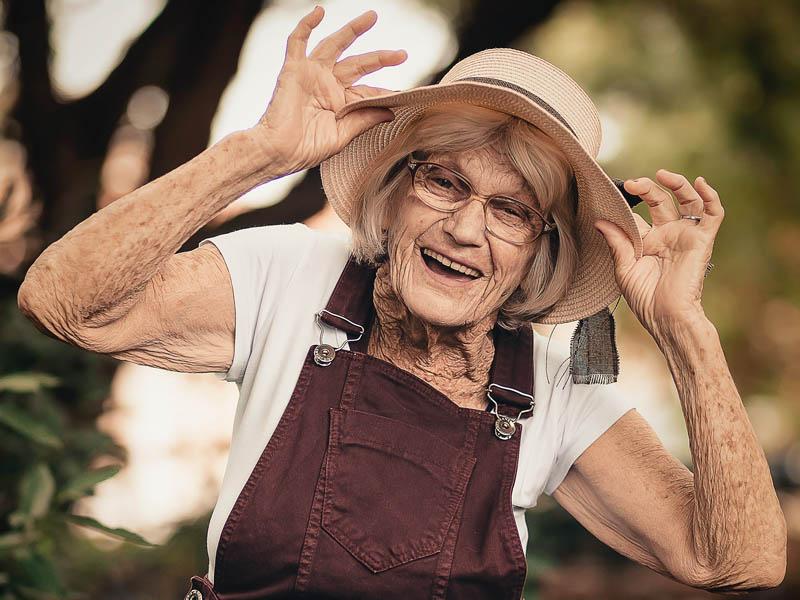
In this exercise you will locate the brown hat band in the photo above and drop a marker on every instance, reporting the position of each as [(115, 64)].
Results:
[(526, 93)]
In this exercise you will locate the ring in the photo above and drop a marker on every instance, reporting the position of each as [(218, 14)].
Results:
[(692, 218), (709, 268)]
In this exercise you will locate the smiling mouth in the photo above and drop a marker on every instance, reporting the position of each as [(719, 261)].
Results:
[(442, 265)]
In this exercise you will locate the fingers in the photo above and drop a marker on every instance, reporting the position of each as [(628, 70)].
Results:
[(329, 49), (621, 247), (353, 68), (358, 121), (689, 201), (297, 43), (713, 213), (359, 92), (368, 91), (659, 201)]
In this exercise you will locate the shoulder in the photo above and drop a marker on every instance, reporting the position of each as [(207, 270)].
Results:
[(276, 238), (280, 251)]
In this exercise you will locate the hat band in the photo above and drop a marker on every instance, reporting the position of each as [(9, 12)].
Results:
[(524, 92)]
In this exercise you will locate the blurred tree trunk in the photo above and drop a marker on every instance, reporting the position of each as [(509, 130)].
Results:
[(191, 50)]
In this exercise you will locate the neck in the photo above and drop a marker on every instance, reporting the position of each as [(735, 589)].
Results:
[(455, 361)]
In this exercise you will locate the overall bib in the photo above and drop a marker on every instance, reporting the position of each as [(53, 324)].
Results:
[(376, 485)]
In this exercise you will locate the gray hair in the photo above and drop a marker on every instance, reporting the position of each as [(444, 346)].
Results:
[(456, 127)]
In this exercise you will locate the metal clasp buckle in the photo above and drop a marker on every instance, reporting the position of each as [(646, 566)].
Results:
[(325, 353), (504, 426)]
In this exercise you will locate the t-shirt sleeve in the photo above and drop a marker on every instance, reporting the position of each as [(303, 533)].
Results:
[(261, 262), (589, 410)]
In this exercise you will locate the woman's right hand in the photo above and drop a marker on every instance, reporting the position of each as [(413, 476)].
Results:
[(299, 128)]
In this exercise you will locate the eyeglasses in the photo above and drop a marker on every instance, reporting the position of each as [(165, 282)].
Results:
[(445, 190)]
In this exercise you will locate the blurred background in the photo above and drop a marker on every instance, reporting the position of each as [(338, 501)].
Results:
[(109, 470)]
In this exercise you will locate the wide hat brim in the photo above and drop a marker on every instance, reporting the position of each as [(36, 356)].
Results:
[(593, 286)]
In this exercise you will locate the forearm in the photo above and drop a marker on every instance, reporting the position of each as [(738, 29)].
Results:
[(93, 274), (739, 531)]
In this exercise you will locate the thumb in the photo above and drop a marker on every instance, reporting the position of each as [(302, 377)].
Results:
[(358, 121), (621, 247)]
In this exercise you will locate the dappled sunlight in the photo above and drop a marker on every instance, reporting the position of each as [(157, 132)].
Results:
[(176, 429), (90, 38)]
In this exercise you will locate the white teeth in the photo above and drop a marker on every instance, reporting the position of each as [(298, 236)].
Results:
[(452, 264)]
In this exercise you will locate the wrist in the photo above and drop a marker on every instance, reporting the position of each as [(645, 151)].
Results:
[(250, 162), (689, 328), (272, 160)]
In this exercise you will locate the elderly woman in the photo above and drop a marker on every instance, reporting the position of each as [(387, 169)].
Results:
[(398, 413)]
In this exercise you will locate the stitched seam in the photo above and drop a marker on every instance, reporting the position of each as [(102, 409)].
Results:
[(311, 540), (510, 533)]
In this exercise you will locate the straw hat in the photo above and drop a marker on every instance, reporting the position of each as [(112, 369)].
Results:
[(525, 86)]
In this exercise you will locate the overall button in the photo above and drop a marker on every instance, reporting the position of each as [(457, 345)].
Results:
[(193, 595), (324, 355), (504, 427)]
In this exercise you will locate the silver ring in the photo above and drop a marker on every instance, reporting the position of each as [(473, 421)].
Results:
[(692, 218)]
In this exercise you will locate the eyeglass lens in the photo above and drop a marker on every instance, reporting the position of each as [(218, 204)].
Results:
[(510, 219)]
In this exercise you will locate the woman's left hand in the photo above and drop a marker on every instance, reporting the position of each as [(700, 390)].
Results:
[(665, 285)]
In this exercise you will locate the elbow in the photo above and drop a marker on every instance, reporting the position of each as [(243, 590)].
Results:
[(42, 304), (759, 563), (765, 572), (765, 578)]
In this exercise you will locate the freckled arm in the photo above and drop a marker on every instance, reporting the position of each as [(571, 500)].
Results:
[(719, 528), (113, 284), (738, 528)]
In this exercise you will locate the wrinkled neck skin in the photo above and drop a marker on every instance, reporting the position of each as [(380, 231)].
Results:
[(454, 361)]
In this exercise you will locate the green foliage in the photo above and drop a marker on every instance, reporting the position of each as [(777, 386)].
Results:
[(50, 395)]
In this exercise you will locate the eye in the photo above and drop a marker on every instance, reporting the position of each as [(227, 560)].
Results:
[(509, 210), (440, 180)]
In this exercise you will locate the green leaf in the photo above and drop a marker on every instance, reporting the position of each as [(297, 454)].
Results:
[(83, 483), (23, 423), (36, 490), (123, 534), (29, 383), (11, 540), (29, 593), (38, 577)]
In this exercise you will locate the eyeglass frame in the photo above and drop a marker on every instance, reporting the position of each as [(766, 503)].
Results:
[(414, 164)]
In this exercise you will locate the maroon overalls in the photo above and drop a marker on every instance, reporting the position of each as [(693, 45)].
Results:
[(376, 485)]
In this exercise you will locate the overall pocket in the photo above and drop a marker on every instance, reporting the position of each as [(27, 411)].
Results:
[(391, 489)]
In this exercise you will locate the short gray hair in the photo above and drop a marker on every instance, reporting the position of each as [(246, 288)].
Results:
[(456, 127)]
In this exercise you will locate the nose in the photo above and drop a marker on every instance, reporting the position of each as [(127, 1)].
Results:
[(467, 225)]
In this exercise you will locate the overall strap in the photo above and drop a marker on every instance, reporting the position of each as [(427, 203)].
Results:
[(350, 305), (511, 376)]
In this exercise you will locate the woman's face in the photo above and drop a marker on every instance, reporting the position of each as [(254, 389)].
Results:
[(430, 290)]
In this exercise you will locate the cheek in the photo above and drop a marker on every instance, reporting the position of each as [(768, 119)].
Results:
[(511, 265), (409, 222)]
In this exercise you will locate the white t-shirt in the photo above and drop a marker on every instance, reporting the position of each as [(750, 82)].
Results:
[(282, 276)]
